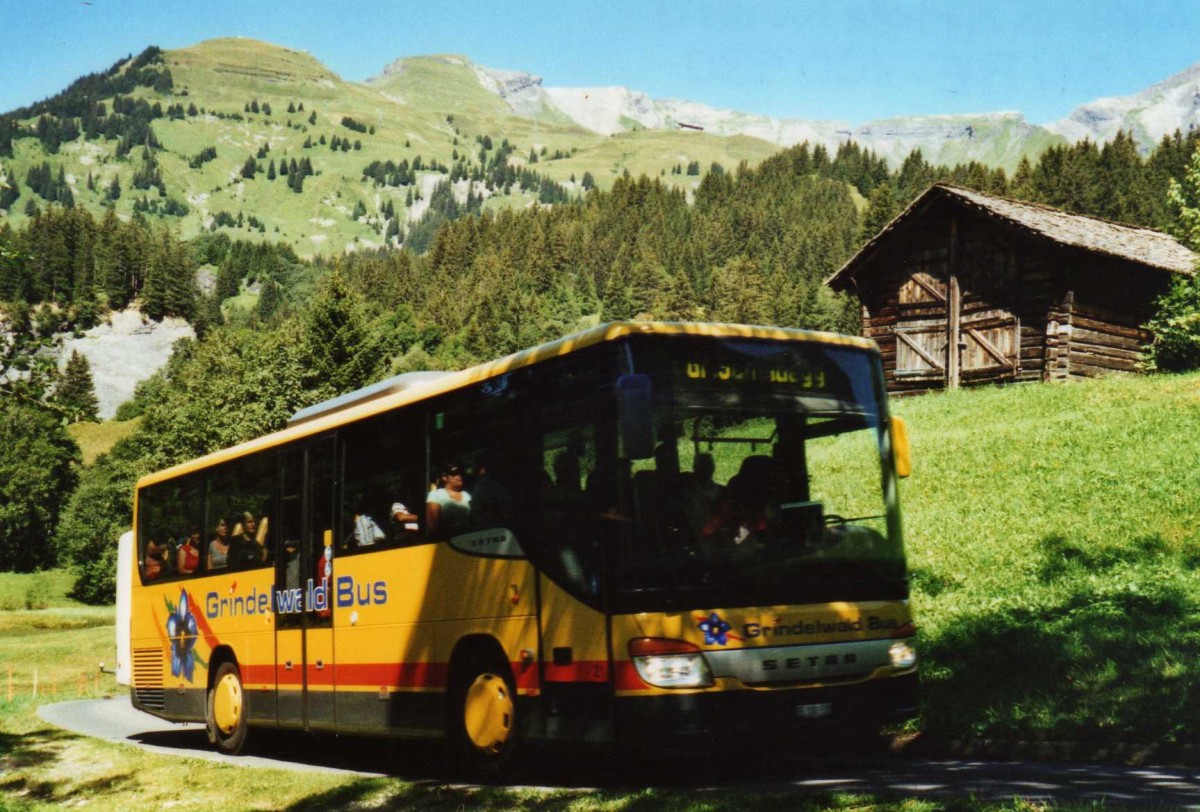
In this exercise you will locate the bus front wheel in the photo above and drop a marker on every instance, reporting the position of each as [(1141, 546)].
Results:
[(482, 724), (226, 710)]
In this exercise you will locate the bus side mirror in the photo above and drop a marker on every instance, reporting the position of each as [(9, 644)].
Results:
[(634, 408), (900, 449)]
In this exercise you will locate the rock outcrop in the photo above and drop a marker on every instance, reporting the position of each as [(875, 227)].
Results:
[(1173, 104), (124, 351)]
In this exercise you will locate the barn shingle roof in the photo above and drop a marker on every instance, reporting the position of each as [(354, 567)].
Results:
[(1144, 246)]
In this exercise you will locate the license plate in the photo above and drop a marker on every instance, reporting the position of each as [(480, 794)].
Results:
[(814, 710)]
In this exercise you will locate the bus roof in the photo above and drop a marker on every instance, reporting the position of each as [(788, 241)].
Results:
[(394, 392)]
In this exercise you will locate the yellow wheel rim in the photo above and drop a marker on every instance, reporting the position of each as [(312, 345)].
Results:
[(489, 713), (227, 703)]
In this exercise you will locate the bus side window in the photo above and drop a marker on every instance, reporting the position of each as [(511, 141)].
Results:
[(169, 513), (383, 495), (242, 491)]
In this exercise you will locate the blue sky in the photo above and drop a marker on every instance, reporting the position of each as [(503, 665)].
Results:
[(841, 59)]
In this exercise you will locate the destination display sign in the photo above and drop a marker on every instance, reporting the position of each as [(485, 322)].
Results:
[(767, 368), (741, 372), (752, 372)]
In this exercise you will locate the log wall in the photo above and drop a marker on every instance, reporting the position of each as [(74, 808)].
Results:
[(1111, 303)]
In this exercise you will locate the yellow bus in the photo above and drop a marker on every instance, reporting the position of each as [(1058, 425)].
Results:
[(645, 533)]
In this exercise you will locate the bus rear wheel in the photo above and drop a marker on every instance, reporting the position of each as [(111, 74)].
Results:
[(483, 718), (226, 710)]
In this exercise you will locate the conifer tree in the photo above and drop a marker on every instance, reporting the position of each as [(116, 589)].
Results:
[(881, 208), (75, 394), (340, 352), (914, 177), (269, 300), (739, 293), (618, 304), (1126, 194), (154, 293)]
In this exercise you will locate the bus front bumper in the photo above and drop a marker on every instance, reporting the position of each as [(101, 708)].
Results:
[(669, 721)]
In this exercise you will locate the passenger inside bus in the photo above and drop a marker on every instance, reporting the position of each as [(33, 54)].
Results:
[(753, 494), (662, 498), (404, 522), (367, 531), (218, 548), (448, 508), (705, 495), (153, 568), (291, 560), (168, 552), (247, 547), (566, 475), (188, 556)]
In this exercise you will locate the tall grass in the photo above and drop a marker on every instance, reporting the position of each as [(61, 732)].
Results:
[(1054, 535)]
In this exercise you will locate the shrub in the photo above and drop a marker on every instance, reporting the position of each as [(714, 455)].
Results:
[(1176, 328)]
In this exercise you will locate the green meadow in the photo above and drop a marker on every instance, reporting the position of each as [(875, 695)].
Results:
[(95, 439), (1053, 536), (1054, 544)]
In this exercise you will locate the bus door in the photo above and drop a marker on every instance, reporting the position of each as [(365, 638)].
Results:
[(304, 570), (575, 522)]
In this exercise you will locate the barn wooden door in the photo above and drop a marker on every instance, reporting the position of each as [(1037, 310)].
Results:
[(989, 344), (921, 334), (946, 335)]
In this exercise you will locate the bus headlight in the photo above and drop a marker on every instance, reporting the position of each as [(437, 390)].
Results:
[(669, 663), (902, 655)]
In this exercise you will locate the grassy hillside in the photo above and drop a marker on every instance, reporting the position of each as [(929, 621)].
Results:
[(1054, 542), (433, 108)]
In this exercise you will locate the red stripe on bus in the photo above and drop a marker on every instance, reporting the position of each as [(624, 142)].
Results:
[(258, 674), (320, 676), (380, 675), (526, 675), (403, 675), (582, 671)]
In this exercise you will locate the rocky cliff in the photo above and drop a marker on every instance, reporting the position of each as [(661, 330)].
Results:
[(124, 351)]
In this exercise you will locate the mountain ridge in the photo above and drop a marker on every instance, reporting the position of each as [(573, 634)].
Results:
[(498, 138), (1149, 114)]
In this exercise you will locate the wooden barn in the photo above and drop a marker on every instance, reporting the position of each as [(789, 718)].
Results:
[(964, 288)]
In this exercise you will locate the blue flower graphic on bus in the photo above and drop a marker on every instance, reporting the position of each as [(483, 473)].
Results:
[(182, 631), (715, 630)]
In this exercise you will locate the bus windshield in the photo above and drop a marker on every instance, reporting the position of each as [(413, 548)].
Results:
[(765, 485)]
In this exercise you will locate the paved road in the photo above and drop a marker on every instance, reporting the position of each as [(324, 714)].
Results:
[(116, 720)]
